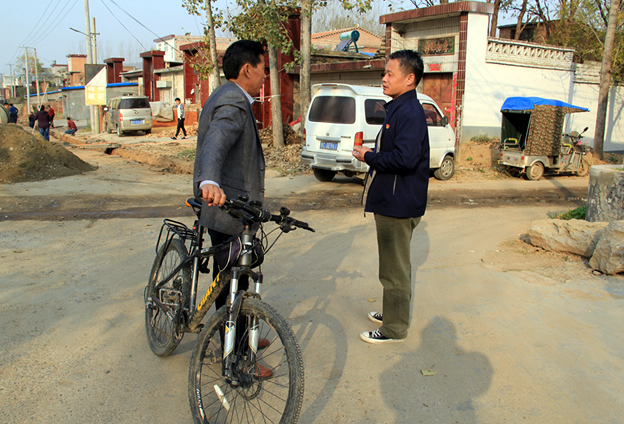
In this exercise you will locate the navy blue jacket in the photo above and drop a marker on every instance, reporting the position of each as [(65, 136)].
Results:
[(399, 188)]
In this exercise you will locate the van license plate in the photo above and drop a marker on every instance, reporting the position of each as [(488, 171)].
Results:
[(137, 121), (329, 146)]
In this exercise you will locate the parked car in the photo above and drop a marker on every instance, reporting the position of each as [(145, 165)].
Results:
[(128, 113), (342, 115)]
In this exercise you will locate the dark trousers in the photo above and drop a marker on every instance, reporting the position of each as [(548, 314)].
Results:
[(394, 236), (181, 127), (217, 237), (71, 131)]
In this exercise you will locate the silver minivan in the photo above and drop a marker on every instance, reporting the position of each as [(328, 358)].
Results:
[(343, 115), (128, 113)]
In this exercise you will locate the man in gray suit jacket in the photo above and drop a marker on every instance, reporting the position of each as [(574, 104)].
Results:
[(229, 159)]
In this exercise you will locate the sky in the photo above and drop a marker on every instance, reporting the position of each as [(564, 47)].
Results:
[(48, 30), (45, 25)]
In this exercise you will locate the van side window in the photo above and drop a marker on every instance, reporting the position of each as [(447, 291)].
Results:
[(333, 110), (375, 111), (434, 119)]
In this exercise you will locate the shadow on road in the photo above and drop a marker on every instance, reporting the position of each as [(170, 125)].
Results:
[(447, 396)]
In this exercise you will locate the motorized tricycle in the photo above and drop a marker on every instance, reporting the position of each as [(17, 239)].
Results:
[(532, 138)]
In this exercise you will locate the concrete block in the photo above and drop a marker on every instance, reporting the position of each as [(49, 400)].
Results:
[(605, 198)]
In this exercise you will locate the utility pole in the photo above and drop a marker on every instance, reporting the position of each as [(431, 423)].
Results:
[(96, 127), (37, 77), (13, 83), (89, 58), (27, 81)]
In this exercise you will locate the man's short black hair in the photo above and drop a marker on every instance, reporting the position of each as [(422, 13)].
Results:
[(177, 99), (240, 53), (68, 118), (410, 62)]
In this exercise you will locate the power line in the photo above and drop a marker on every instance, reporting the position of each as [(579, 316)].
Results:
[(37, 24), (57, 23), (43, 29), (120, 23), (137, 21)]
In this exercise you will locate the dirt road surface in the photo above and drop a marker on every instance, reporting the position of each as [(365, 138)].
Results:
[(514, 334)]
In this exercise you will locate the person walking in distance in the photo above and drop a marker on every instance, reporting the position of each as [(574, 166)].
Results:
[(229, 159), (43, 122), (396, 191), (180, 107)]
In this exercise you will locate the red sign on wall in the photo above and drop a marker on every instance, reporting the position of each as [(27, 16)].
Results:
[(434, 67)]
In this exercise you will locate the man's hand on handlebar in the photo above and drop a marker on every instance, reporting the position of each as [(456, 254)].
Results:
[(213, 195)]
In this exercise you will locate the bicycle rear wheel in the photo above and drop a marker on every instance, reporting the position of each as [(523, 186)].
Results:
[(163, 322), (255, 399)]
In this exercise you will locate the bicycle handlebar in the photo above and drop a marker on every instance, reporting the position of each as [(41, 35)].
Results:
[(253, 212)]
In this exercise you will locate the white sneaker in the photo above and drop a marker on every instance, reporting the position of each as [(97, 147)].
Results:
[(375, 337), (376, 317)]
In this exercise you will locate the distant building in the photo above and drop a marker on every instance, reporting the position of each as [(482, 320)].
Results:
[(76, 69), (531, 32), (171, 44)]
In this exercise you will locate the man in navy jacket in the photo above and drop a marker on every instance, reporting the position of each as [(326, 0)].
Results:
[(396, 191)]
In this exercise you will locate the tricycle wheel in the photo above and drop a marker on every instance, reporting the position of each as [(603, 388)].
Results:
[(535, 171), (583, 168)]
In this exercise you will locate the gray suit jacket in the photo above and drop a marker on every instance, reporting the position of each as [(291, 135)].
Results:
[(229, 153)]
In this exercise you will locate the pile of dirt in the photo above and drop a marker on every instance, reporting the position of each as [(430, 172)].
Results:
[(191, 130), (286, 160), (290, 136), (29, 157)]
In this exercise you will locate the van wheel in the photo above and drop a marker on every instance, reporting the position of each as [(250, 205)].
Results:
[(535, 171), (119, 131), (148, 132), (446, 169), (324, 174)]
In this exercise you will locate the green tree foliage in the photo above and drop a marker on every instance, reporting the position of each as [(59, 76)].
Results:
[(582, 24), (21, 63), (202, 62)]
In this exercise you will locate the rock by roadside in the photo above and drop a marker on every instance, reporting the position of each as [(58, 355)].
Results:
[(608, 256), (575, 236), (601, 242)]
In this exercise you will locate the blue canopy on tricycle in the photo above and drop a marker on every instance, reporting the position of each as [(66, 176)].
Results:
[(529, 103)]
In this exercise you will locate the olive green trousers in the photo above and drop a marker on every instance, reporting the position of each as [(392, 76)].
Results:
[(394, 236)]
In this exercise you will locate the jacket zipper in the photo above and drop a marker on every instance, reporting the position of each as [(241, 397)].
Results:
[(394, 187)]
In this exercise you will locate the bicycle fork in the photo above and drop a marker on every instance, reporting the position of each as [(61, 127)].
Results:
[(229, 356)]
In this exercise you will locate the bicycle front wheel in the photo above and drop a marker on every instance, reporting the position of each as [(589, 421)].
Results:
[(267, 391), (163, 309)]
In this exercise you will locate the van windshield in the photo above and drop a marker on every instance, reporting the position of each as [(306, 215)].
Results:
[(333, 109), (134, 104)]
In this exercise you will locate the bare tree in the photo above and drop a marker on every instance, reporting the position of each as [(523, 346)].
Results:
[(605, 79), (306, 59)]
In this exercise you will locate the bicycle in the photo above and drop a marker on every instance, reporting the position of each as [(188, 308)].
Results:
[(227, 383)]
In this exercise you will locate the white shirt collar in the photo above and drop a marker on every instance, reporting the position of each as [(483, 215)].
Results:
[(251, 100)]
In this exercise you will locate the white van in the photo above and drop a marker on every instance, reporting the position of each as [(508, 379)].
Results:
[(342, 115)]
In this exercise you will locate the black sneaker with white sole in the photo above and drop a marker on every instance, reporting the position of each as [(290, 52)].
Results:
[(376, 317), (375, 337)]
